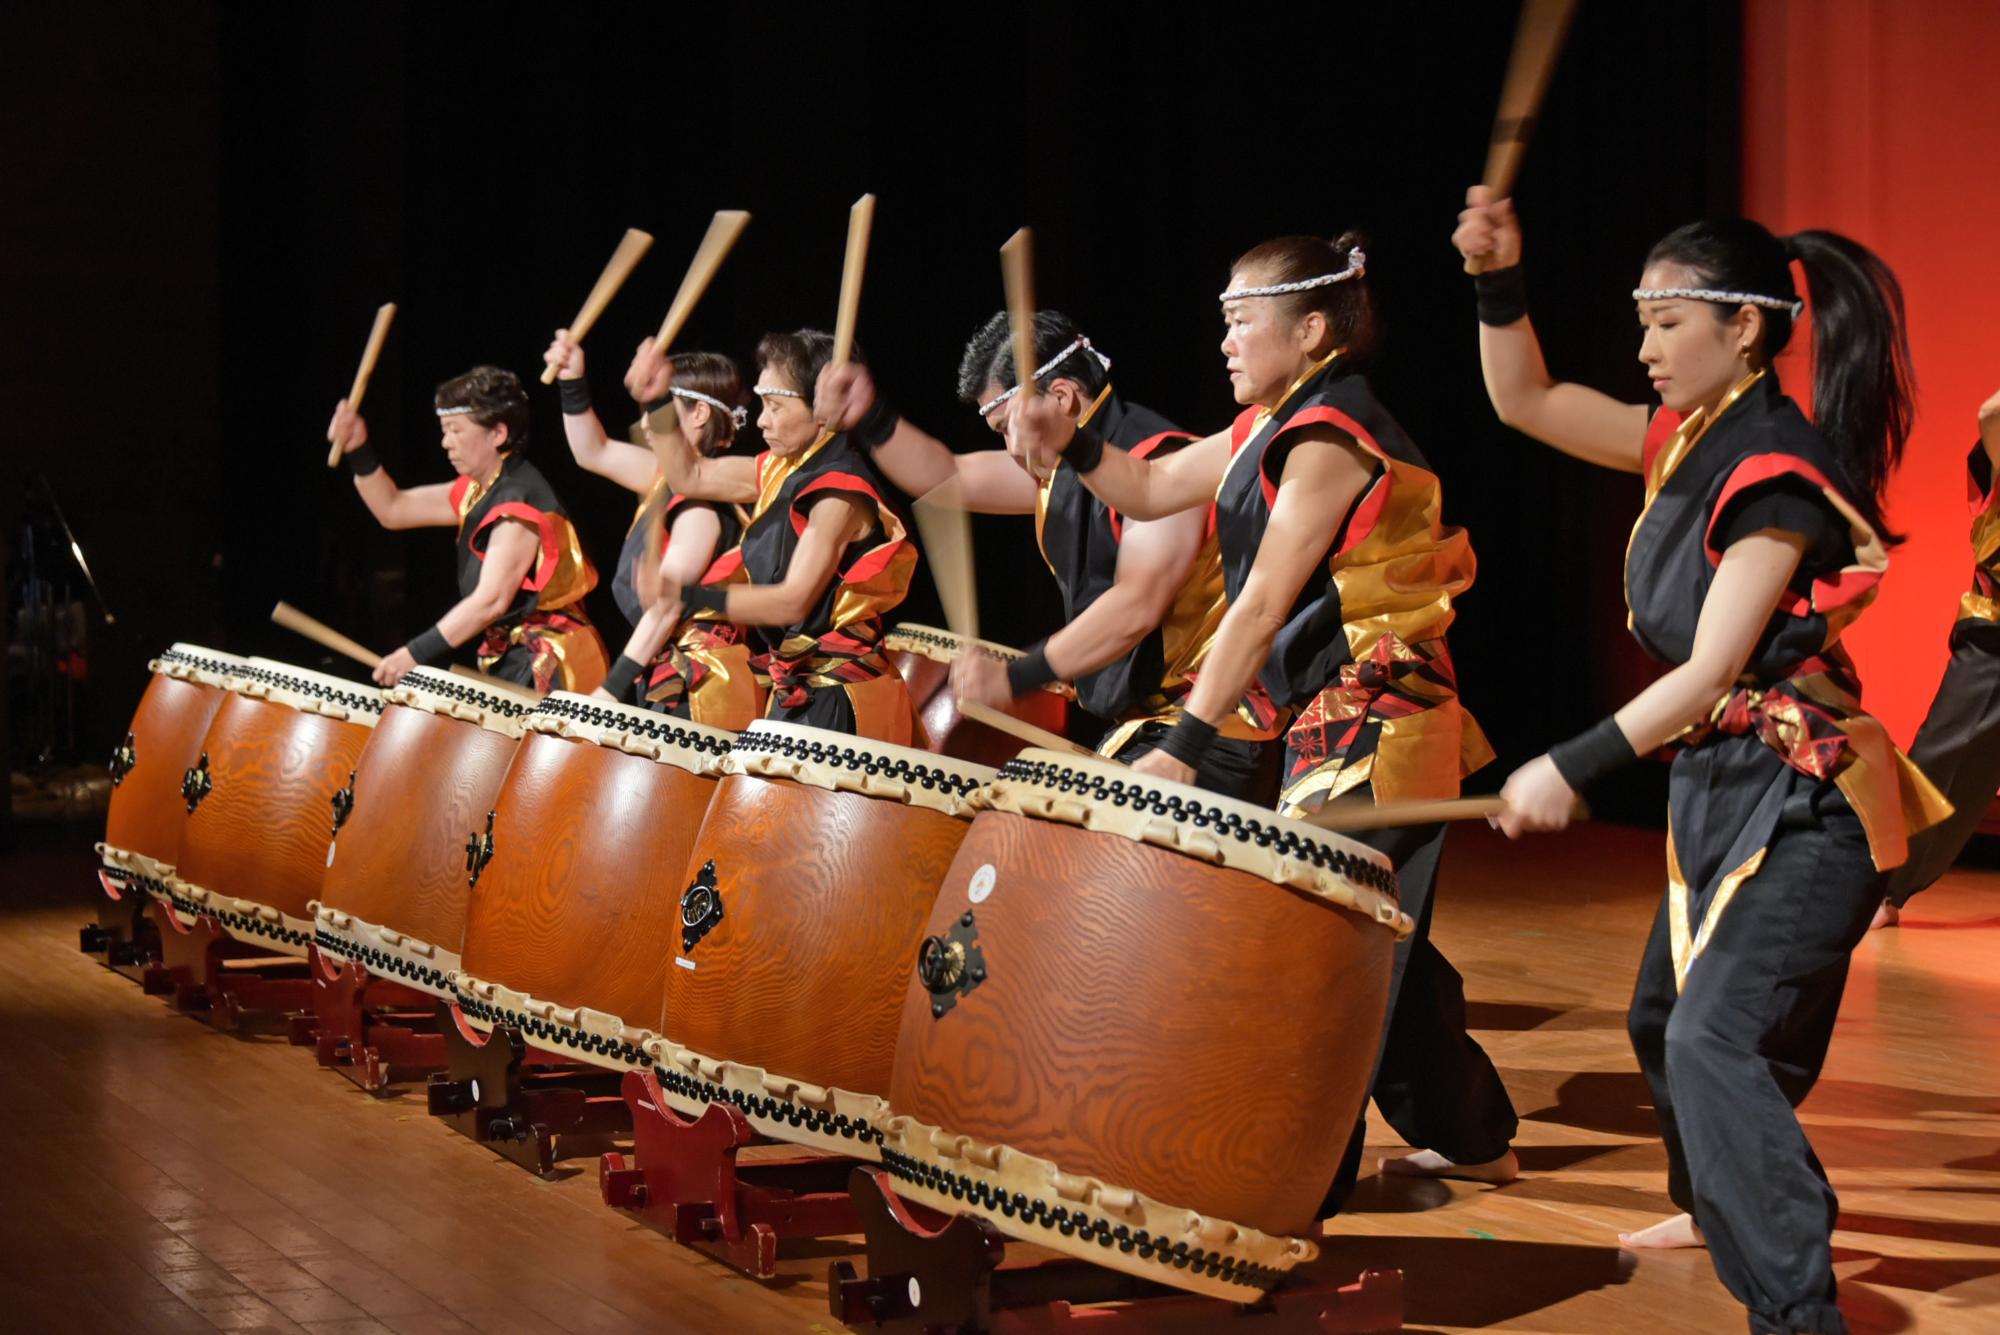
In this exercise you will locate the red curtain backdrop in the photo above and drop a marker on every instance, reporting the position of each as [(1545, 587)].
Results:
[(1881, 120)]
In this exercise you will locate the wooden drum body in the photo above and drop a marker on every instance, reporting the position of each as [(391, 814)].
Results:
[(393, 897), (571, 922), (1143, 1013), (142, 831), (923, 654), (283, 742), (805, 899)]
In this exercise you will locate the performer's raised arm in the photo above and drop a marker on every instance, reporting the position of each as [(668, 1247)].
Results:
[(394, 507), (632, 467), (732, 478)]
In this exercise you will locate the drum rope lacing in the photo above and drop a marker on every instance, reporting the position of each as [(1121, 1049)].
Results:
[(471, 693), (219, 666), (943, 640), (381, 963), (771, 1109), (1130, 792), (1070, 1222), (655, 727), (534, 1026), (238, 922), (850, 758), (318, 690)]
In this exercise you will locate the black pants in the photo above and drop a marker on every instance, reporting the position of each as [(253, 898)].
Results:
[(518, 666), (827, 707), (1730, 1051), (1433, 1083), (1958, 749), (1236, 768)]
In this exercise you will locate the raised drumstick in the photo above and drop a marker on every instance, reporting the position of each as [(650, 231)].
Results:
[(723, 229), (630, 248), (1022, 729), (1017, 273), (322, 634), (860, 223), (383, 316), (946, 530), (1537, 43), (1351, 814)]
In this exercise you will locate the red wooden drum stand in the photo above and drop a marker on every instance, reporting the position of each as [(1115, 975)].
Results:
[(578, 880), (1141, 1022), (142, 830), (923, 654), (391, 910)]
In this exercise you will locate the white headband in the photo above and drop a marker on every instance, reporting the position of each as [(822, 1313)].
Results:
[(736, 415), (773, 392), (1081, 344), (1357, 264), (454, 412), (1723, 298)]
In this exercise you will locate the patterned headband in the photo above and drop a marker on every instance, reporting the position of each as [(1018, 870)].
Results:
[(1793, 305), (736, 415), (773, 392), (1357, 264), (454, 412), (1081, 344)]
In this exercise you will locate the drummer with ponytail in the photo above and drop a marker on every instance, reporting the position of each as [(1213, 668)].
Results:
[(1760, 538)]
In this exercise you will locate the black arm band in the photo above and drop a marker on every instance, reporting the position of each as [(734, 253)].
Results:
[(1031, 671), (430, 648), (876, 426), (1188, 740), (1591, 755), (361, 461), (575, 396), (1502, 295), (706, 598), (1086, 451), (623, 672)]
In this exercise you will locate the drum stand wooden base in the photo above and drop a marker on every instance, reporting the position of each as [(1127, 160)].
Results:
[(123, 937), (685, 1179), (369, 1028), (520, 1101), (206, 972), (931, 1274)]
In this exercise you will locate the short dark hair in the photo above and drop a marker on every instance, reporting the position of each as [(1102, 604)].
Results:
[(1347, 305), (801, 355), (989, 356), (494, 398), (716, 375)]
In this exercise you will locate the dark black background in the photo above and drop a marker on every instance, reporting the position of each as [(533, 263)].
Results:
[(207, 202)]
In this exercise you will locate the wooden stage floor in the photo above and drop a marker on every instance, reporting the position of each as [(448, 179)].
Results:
[(168, 1177)]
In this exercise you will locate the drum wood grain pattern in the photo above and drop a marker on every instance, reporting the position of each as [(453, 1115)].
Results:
[(1195, 1033), (262, 833), (581, 902), (147, 811), (424, 783), (942, 729), (824, 896)]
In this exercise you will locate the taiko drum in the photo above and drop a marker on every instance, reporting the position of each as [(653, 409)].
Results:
[(1141, 1023), (924, 654)]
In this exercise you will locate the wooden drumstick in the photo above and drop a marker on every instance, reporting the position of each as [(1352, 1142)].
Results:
[(324, 635), (383, 315), (1350, 814), (1027, 732), (860, 222), (1537, 43), (1017, 273), (630, 248), (946, 530), (723, 229)]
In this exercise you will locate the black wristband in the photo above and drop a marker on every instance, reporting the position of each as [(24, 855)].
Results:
[(1502, 295), (575, 396), (706, 598), (876, 425), (1031, 671), (1592, 754), (361, 461), (1188, 740), (619, 677), (430, 648), (1086, 451)]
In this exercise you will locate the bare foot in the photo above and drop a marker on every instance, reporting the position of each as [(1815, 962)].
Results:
[(1429, 1163), (1679, 1231), (1886, 916)]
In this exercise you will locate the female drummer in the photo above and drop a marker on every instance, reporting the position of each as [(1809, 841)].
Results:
[(1760, 539), (691, 665), (522, 573), (1141, 601), (824, 555), (1340, 579)]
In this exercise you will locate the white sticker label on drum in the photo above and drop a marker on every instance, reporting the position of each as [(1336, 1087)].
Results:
[(916, 1292), (982, 884), (331, 844), (684, 961)]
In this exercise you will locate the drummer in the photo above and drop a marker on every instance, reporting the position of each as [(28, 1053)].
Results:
[(1141, 600), (824, 557), (522, 573), (693, 666), (1340, 577)]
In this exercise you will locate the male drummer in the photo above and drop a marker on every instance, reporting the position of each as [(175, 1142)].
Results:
[(1142, 601), (522, 573)]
